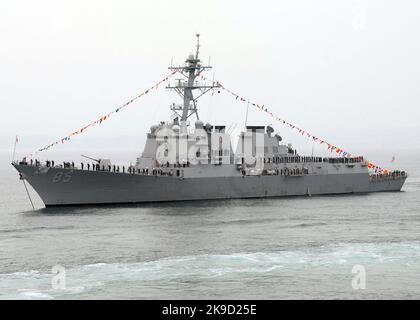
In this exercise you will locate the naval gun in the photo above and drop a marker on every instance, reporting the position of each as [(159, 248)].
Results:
[(102, 162)]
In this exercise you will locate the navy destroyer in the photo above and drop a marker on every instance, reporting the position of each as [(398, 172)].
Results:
[(187, 159)]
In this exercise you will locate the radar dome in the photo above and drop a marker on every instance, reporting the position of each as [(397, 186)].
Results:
[(199, 124)]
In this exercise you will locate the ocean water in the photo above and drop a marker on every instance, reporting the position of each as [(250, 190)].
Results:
[(283, 248)]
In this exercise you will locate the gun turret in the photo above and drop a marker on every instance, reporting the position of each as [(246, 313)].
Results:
[(97, 160)]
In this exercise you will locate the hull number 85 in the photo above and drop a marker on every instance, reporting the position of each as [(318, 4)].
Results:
[(62, 177)]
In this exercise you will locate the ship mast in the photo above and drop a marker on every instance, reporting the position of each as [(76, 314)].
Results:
[(184, 87)]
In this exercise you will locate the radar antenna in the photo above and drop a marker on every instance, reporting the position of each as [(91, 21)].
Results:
[(185, 86), (198, 45)]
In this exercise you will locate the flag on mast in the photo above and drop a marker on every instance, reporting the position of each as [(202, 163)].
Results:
[(14, 148)]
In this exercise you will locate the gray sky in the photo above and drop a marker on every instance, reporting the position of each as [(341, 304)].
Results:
[(347, 71)]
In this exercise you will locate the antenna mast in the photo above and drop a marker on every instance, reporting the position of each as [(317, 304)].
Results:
[(246, 115), (198, 46), (185, 86)]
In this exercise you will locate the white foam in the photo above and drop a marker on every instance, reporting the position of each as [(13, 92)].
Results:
[(35, 295), (86, 278)]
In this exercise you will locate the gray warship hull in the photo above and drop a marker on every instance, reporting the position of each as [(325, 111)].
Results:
[(181, 161), (66, 186)]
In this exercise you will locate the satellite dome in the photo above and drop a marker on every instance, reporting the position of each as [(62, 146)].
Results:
[(208, 126), (199, 124), (153, 128)]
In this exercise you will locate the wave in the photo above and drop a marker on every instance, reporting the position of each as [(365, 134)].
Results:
[(35, 229), (208, 268), (35, 295), (244, 221), (313, 224)]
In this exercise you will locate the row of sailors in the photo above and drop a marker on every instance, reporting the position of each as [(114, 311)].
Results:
[(294, 159), (109, 168), (393, 174), (303, 159), (283, 172), (32, 162), (291, 172), (130, 169), (175, 165), (48, 163)]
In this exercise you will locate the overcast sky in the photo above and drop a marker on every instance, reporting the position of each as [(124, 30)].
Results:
[(347, 71)]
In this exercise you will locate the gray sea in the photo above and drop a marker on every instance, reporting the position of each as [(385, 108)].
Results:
[(283, 248)]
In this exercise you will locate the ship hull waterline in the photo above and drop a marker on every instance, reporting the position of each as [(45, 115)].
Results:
[(72, 187)]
